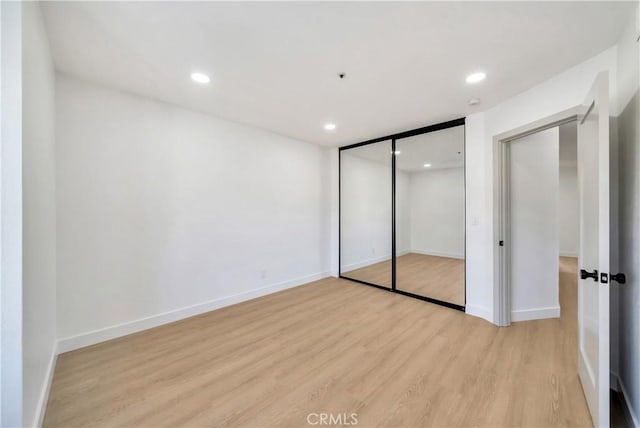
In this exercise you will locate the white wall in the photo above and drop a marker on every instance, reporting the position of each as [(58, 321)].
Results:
[(404, 199), (534, 240), (11, 214), (568, 197), (628, 78), (39, 215), (429, 211), (334, 185), (437, 212), (164, 213), (478, 281), (559, 93), (366, 210), (568, 211)]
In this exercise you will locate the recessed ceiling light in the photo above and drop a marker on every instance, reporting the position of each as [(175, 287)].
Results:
[(329, 126), (200, 78), (427, 165), (476, 77)]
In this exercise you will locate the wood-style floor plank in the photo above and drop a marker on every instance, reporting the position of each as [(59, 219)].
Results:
[(440, 278), (331, 346)]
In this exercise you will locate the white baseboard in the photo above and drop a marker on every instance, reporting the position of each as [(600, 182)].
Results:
[(479, 312), (96, 336), (438, 254), (43, 399), (371, 261), (630, 413), (535, 314), (374, 260), (568, 254), (364, 263)]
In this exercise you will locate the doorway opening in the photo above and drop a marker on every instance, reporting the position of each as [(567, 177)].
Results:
[(568, 227), (543, 222), (528, 247)]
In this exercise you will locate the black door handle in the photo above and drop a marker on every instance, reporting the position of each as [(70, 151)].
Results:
[(585, 274), (620, 278)]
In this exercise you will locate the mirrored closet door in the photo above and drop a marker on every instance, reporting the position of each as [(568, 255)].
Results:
[(430, 217), (402, 213), (366, 214)]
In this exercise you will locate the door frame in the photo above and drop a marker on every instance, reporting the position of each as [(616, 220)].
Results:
[(11, 210), (501, 207)]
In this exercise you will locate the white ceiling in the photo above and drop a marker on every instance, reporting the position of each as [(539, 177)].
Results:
[(274, 65), (441, 149)]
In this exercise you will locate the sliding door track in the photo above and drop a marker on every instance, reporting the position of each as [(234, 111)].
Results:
[(408, 294)]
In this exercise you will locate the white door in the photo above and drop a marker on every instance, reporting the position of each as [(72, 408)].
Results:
[(593, 290)]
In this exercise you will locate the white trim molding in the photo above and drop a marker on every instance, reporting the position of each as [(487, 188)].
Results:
[(568, 254), (400, 253), (43, 399), (96, 336), (364, 263), (372, 261), (11, 312), (535, 314), (480, 312), (438, 254)]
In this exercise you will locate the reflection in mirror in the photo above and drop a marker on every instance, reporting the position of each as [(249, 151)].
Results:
[(430, 225), (365, 213)]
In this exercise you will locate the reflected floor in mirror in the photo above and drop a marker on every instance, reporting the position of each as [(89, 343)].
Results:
[(436, 277)]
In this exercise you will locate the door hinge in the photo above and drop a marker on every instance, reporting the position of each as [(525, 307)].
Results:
[(501, 243), (604, 278)]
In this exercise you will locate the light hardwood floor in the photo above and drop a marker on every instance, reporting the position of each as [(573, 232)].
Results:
[(331, 346), (440, 278)]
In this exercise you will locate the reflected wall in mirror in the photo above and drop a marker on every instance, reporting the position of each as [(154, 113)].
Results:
[(430, 218), (366, 213)]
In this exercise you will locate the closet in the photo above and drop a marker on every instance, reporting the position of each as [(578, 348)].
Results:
[(402, 213)]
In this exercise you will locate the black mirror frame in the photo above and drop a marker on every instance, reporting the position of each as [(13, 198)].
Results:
[(393, 138)]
